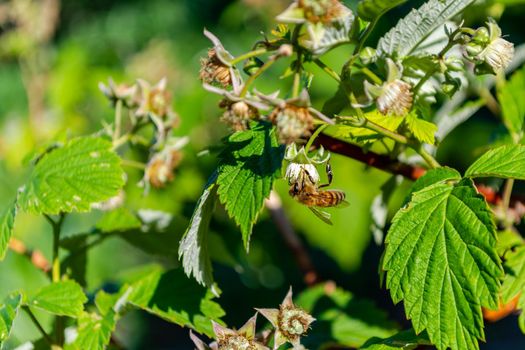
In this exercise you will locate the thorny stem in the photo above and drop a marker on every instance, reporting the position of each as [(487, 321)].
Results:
[(255, 75), (248, 55), (38, 325), (328, 70)]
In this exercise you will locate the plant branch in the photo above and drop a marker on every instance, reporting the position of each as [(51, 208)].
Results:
[(37, 324), (328, 70), (285, 227), (248, 55)]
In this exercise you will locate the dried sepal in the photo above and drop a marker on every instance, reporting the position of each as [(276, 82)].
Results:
[(128, 94), (216, 68), (290, 322), (155, 100), (160, 168), (242, 339)]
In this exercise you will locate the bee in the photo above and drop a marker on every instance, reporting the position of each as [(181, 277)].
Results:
[(307, 192)]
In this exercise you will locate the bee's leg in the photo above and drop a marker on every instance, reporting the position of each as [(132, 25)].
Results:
[(329, 174)]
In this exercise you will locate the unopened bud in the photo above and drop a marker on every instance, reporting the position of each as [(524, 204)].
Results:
[(367, 55), (285, 50)]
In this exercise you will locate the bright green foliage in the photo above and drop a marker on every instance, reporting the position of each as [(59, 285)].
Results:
[(391, 123), (71, 178), (512, 103), (8, 311), (372, 9), (249, 164), (176, 298), (120, 219), (508, 240), (351, 321), (64, 298), (94, 331), (505, 161), (514, 281), (422, 130), (7, 223), (193, 247), (406, 340), (441, 261), (410, 31), (434, 176)]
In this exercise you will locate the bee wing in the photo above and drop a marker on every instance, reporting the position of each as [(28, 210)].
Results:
[(343, 204), (323, 215)]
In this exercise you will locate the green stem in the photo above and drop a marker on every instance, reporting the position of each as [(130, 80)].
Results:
[(314, 136), (38, 325), (133, 164), (248, 55), (328, 70), (297, 76), (118, 120), (431, 161), (491, 103), (365, 123), (372, 75), (364, 36), (254, 76), (507, 193)]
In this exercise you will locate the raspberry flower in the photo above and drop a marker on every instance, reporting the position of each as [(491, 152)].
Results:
[(394, 96), (290, 322), (301, 164)]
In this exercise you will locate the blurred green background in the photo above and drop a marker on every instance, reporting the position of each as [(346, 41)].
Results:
[(50, 67)]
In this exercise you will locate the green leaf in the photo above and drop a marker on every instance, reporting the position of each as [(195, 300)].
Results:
[(514, 281), (7, 223), (249, 164), (64, 298), (175, 298), (434, 176), (120, 219), (410, 31), (342, 318), (406, 340), (94, 331), (372, 9), (193, 248), (71, 178), (508, 240), (322, 37), (391, 123), (8, 311), (510, 97), (422, 130), (505, 161), (441, 261)]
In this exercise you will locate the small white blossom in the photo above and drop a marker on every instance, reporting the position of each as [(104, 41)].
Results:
[(295, 172), (498, 54)]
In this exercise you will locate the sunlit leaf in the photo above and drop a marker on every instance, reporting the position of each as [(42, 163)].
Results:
[(8, 311), (410, 31), (441, 261), (422, 130), (249, 164), (505, 161), (7, 223), (93, 331), (512, 103), (64, 298), (120, 219), (175, 298), (193, 248), (71, 178)]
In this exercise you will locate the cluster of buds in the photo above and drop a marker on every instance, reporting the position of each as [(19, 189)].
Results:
[(489, 50), (291, 117), (290, 323), (323, 19), (394, 96)]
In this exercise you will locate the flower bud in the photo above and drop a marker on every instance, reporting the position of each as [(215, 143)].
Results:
[(292, 122), (395, 99), (128, 94), (481, 35), (213, 70), (473, 49), (238, 114), (367, 55)]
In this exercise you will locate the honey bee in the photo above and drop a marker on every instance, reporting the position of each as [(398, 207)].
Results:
[(307, 192)]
